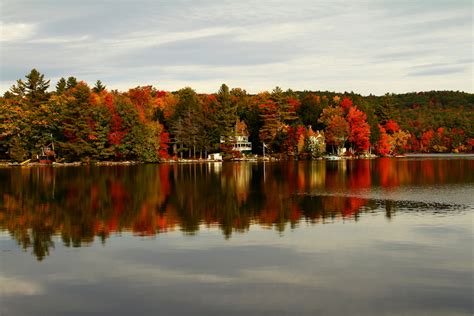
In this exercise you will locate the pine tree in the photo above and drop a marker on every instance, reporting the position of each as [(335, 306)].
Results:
[(386, 110), (240, 99), (227, 112), (209, 134), (36, 86), (98, 87), (61, 86), (271, 122), (32, 98), (77, 126), (18, 90), (71, 82)]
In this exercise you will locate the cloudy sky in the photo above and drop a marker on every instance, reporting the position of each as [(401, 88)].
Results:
[(361, 46)]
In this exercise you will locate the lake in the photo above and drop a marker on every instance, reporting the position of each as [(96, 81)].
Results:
[(360, 237)]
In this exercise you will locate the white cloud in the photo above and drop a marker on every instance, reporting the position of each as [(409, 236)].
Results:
[(13, 32), (59, 40), (142, 39)]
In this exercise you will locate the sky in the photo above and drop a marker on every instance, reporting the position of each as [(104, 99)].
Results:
[(369, 47)]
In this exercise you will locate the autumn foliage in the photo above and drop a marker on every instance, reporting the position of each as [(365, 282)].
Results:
[(148, 124), (359, 130)]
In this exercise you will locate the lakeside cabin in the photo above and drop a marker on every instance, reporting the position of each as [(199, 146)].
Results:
[(239, 143)]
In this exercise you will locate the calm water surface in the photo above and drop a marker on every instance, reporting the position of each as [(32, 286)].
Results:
[(380, 237)]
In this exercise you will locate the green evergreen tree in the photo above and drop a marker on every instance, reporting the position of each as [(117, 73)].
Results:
[(98, 87), (17, 90), (61, 86), (227, 111), (71, 82), (76, 127), (385, 110), (285, 114), (36, 87), (310, 111), (240, 98)]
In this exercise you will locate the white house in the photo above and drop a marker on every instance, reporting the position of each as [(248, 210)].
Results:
[(239, 143)]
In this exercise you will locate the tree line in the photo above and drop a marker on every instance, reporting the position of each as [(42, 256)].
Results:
[(146, 124)]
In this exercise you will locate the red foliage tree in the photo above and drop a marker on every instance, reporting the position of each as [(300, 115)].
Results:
[(337, 131), (293, 136), (294, 104), (346, 104), (164, 141), (426, 139), (413, 144), (470, 143), (141, 98), (116, 133), (383, 147), (391, 127), (359, 129)]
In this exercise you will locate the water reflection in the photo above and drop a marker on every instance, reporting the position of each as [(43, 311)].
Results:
[(81, 204)]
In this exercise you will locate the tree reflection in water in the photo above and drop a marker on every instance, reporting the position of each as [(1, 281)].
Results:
[(80, 204)]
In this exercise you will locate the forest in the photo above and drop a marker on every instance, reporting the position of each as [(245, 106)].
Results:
[(150, 125)]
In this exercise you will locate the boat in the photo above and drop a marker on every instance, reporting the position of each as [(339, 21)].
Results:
[(217, 157)]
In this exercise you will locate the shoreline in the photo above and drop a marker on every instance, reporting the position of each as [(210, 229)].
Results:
[(438, 155), (253, 159)]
